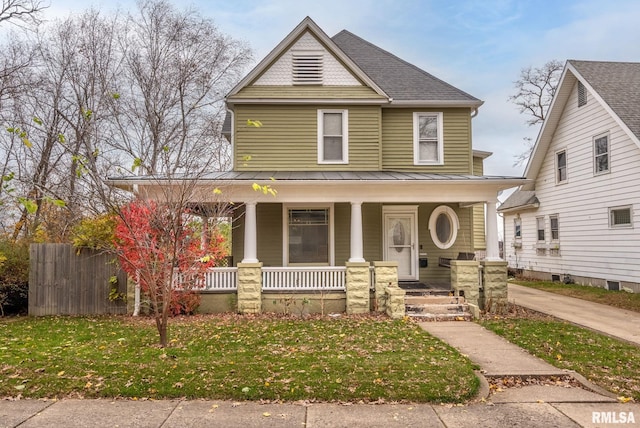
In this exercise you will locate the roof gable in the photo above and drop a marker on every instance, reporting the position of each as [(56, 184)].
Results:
[(333, 73), (306, 34), (354, 61), (615, 85)]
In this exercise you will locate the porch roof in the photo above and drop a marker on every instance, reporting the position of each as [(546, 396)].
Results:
[(335, 186), (310, 176)]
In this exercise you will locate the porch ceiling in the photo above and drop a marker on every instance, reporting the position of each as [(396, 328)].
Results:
[(337, 186)]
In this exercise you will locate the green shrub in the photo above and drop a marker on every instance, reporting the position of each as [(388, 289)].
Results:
[(14, 277), (94, 232)]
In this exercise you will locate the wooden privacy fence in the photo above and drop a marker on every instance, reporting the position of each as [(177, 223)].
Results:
[(63, 281)]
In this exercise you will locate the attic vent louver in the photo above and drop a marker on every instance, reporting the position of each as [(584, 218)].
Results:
[(307, 68), (582, 95)]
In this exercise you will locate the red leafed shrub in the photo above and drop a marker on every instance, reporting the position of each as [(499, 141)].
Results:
[(162, 247)]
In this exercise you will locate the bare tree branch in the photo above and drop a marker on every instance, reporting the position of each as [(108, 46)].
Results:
[(535, 90), (22, 11)]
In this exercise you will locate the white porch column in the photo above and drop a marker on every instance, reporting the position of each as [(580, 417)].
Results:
[(493, 250), (250, 234), (357, 254)]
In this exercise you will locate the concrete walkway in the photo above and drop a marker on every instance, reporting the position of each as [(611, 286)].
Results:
[(614, 322), (72, 413)]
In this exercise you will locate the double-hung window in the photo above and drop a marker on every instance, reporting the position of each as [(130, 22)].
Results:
[(601, 154), (428, 140), (517, 228), (554, 226), (333, 136), (540, 227), (561, 166)]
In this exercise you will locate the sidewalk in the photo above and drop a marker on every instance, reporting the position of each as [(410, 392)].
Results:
[(71, 413), (619, 323)]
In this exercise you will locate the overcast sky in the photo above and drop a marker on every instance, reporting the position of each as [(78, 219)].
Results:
[(479, 46)]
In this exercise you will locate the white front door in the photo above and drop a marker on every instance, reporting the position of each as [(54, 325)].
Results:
[(400, 239)]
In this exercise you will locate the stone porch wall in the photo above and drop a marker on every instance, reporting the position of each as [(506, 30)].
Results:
[(249, 288), (495, 286), (357, 287), (465, 280)]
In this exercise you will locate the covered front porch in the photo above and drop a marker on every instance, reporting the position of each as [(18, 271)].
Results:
[(307, 237)]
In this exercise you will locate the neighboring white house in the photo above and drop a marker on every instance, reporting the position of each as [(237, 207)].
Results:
[(581, 214)]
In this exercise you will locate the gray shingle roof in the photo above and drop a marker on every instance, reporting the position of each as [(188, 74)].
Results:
[(618, 83), (519, 198), (399, 79)]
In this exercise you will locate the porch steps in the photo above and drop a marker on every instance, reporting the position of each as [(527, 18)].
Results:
[(436, 306)]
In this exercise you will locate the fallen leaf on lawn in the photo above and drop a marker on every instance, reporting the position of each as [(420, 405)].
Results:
[(19, 387), (266, 414), (60, 373)]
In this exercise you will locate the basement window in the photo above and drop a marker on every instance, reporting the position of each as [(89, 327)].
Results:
[(307, 68), (620, 217), (613, 285)]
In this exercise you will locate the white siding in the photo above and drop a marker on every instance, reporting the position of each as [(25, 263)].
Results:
[(281, 72), (588, 247)]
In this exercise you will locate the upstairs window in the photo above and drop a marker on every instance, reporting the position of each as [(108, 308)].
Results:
[(554, 226), (620, 217), (333, 141), (427, 139), (582, 94), (517, 228), (307, 68), (540, 226), (561, 166), (601, 154)]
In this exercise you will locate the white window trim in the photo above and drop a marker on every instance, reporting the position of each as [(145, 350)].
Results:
[(593, 147), (544, 227), (285, 232), (416, 138), (621, 226), (551, 239), (516, 221), (455, 225), (345, 137), (566, 166)]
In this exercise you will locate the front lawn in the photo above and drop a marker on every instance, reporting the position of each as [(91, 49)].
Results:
[(232, 357), (618, 299), (607, 362)]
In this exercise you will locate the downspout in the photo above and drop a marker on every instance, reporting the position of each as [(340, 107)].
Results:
[(474, 113)]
